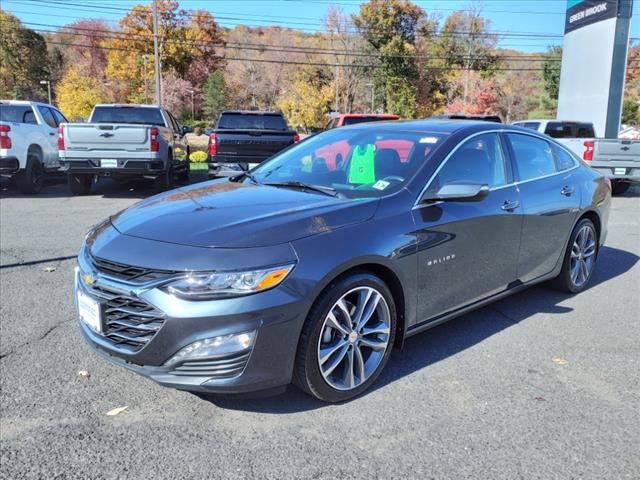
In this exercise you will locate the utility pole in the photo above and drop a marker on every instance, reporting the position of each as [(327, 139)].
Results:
[(145, 59), (156, 55), (337, 78), (48, 83)]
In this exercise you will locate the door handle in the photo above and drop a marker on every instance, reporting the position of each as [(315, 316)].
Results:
[(51, 133), (510, 206), (567, 190)]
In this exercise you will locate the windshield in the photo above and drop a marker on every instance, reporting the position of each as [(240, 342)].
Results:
[(131, 115), (251, 121), (356, 163)]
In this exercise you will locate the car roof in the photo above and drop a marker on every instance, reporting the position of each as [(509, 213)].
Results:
[(125, 105), (366, 115), (25, 102), (441, 126), (251, 112)]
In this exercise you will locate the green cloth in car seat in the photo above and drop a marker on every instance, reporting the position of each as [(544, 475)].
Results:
[(362, 166)]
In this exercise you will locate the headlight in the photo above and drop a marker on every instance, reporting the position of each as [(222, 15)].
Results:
[(214, 347), (207, 286)]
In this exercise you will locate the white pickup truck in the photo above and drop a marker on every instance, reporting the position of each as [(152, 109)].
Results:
[(28, 142), (573, 135), (617, 159)]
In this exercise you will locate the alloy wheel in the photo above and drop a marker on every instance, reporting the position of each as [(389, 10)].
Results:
[(354, 338), (583, 253)]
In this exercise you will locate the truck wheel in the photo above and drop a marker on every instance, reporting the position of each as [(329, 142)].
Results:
[(79, 184), (618, 187), (164, 181), (31, 179)]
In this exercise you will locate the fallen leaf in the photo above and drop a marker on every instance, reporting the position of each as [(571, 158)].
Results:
[(84, 374), (116, 411), (49, 269), (559, 361)]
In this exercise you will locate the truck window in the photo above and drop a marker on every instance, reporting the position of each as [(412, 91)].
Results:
[(48, 117), (356, 120), (58, 116), (531, 125), (569, 130), (130, 115), (251, 121), (17, 114)]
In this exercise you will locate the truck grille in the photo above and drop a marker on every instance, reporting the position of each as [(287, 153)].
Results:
[(128, 273), (224, 367), (130, 323)]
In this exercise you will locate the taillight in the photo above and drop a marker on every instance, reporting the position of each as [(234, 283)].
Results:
[(296, 138), (213, 145), (154, 144), (5, 140), (588, 152), (60, 139)]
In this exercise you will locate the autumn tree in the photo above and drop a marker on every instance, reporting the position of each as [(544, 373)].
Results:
[(77, 94), (390, 29), (23, 60), (551, 71), (214, 95), (306, 103), (176, 95), (464, 42)]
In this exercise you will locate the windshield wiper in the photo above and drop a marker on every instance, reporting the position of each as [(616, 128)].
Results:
[(245, 175), (332, 192)]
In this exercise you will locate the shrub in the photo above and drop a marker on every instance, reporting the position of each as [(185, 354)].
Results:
[(198, 157)]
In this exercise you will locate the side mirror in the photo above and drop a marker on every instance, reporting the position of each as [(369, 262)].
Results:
[(186, 129), (458, 192)]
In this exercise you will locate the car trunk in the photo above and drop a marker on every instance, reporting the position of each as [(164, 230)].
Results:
[(106, 137)]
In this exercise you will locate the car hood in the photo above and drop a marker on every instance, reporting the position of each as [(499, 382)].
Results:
[(236, 215)]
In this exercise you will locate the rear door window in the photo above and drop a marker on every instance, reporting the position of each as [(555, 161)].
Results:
[(129, 115), (533, 156), (17, 114)]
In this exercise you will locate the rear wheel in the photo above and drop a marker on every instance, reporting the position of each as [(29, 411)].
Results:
[(619, 187), (79, 184), (165, 180), (580, 258), (347, 338), (31, 179)]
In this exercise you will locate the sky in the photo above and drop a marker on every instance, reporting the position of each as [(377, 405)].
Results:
[(506, 16)]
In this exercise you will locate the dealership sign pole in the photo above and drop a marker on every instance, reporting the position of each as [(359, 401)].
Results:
[(594, 57)]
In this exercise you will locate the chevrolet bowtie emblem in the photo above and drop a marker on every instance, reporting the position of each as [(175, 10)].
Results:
[(88, 279)]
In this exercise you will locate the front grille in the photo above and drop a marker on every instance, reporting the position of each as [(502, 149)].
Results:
[(224, 367), (128, 273), (130, 322)]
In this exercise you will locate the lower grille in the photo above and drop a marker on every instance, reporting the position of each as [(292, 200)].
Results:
[(224, 367), (130, 323)]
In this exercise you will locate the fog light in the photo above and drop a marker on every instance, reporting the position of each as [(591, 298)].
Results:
[(214, 347)]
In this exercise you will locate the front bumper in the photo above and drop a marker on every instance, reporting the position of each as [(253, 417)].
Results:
[(125, 167), (9, 166), (275, 316)]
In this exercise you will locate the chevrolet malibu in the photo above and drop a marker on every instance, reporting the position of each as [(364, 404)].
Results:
[(312, 267)]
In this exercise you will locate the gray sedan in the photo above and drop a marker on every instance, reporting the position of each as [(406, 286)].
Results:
[(312, 267)]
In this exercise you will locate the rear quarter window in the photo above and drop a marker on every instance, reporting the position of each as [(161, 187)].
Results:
[(564, 160)]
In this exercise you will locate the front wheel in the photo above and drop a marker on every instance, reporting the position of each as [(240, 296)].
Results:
[(580, 258), (347, 338)]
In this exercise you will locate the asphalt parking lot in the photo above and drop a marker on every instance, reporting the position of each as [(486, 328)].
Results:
[(540, 385)]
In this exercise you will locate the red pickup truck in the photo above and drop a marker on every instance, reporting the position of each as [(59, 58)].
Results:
[(344, 119)]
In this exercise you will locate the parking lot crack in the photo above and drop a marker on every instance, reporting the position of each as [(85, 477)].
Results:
[(26, 344)]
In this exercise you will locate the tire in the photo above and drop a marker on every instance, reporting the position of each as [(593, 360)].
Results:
[(165, 180), (332, 382), (31, 179), (582, 249), (79, 184), (618, 187)]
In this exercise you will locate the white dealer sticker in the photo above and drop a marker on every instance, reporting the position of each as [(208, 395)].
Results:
[(381, 185)]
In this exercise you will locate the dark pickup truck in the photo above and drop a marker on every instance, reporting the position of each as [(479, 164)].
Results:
[(243, 139)]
